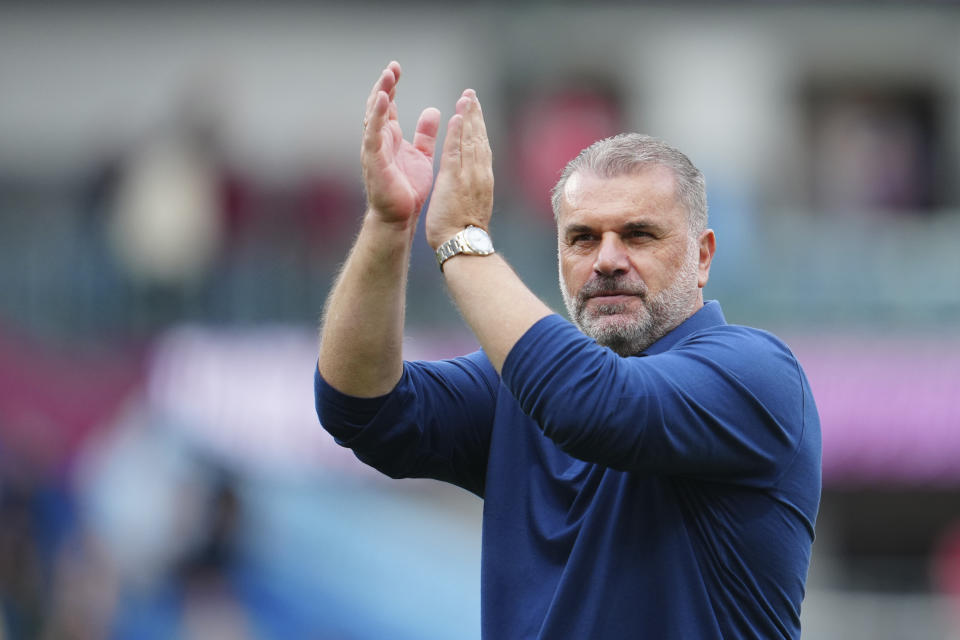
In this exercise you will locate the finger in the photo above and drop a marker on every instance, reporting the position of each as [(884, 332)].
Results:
[(451, 144), (396, 133), (394, 66), (468, 139), (425, 136), (462, 103), (387, 82), (481, 124), (461, 110), (376, 118), (375, 89), (475, 131), (477, 128), (484, 152)]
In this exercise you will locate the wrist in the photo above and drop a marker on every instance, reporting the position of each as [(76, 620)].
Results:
[(393, 225), (436, 238)]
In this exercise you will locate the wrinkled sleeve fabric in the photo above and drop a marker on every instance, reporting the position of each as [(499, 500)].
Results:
[(724, 404), (435, 423)]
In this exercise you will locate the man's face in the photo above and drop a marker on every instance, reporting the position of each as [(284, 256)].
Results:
[(629, 269)]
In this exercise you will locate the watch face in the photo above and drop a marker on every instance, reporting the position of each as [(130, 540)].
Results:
[(478, 240)]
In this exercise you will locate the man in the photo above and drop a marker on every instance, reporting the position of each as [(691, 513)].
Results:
[(655, 474)]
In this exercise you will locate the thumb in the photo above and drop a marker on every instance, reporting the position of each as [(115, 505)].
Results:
[(425, 136)]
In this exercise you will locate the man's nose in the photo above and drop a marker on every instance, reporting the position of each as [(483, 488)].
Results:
[(612, 255)]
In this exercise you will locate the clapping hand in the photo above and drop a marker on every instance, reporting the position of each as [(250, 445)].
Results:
[(463, 193), (397, 174)]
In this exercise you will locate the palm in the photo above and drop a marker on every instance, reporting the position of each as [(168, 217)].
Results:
[(400, 175)]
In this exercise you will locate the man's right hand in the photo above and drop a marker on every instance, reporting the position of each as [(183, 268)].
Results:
[(361, 343), (398, 175)]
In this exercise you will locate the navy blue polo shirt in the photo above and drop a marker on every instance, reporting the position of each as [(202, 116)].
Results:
[(667, 495)]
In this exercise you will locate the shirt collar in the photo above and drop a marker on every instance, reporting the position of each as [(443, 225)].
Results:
[(709, 315)]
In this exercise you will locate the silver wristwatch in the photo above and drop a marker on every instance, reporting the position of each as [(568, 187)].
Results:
[(472, 241)]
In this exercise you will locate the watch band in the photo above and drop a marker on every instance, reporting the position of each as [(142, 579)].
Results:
[(460, 243), (449, 249)]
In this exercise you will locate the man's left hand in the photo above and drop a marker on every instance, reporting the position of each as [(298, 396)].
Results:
[(463, 192)]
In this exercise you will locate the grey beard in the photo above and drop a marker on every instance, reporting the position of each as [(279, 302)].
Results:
[(659, 314)]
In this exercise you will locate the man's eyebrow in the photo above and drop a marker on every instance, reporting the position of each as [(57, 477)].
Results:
[(576, 228), (642, 225)]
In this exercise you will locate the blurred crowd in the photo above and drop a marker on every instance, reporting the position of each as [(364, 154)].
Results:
[(157, 234), (180, 231)]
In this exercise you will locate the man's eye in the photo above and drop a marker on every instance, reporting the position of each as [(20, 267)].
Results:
[(581, 238), (637, 233)]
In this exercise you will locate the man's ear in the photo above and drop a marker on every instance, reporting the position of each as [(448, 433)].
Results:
[(707, 247)]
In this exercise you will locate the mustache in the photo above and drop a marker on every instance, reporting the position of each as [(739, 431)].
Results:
[(611, 285)]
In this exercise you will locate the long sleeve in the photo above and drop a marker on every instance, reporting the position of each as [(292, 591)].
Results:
[(725, 403), (435, 423)]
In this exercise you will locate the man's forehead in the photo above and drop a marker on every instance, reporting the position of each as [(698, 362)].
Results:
[(646, 182)]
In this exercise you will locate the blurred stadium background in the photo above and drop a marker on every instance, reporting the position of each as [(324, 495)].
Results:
[(178, 184)]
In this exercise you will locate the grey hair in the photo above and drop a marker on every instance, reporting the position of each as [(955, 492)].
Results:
[(626, 153)]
